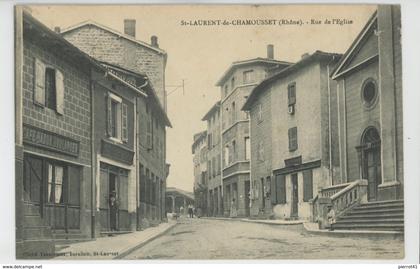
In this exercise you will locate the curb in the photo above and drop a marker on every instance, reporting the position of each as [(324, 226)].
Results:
[(364, 233), (131, 250), (255, 221)]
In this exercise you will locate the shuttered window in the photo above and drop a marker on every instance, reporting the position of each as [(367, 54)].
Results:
[(281, 189), (293, 140), (124, 119), (115, 118), (307, 185), (48, 87), (273, 192), (59, 90), (291, 94), (39, 85)]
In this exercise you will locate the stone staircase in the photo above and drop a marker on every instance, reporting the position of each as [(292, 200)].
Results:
[(379, 215)]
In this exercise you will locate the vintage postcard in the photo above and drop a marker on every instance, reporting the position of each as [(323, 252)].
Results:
[(209, 132)]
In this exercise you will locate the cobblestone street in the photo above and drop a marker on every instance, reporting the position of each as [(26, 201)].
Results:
[(219, 239)]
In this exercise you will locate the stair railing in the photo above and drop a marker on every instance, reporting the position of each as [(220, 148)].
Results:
[(341, 197), (355, 193)]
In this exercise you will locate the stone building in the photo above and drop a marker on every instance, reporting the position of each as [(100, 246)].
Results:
[(235, 85), (370, 97), (144, 65), (214, 159), (121, 95), (199, 151), (53, 139), (293, 153), (122, 49), (84, 130), (369, 191)]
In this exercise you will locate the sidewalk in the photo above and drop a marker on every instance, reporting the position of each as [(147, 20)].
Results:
[(113, 247), (262, 221), (313, 228)]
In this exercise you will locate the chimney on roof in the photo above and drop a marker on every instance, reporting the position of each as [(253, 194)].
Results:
[(270, 51), (130, 27), (305, 55), (57, 29), (154, 41)]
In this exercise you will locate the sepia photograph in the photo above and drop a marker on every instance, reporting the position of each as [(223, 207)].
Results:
[(209, 132)]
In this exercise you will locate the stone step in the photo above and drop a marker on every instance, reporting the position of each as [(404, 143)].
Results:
[(378, 206), (367, 226), (29, 209), (356, 211), (68, 236), (32, 220), (399, 202), (383, 215), (371, 221), (37, 232), (109, 233)]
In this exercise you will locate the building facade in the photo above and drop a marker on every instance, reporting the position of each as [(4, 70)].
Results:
[(143, 65), (370, 118), (199, 151), (90, 143), (293, 152), (236, 84), (214, 160), (53, 138)]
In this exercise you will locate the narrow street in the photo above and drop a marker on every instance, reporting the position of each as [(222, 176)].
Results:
[(220, 239)]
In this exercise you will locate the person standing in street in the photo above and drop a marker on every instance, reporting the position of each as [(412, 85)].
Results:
[(190, 211), (113, 210), (233, 210)]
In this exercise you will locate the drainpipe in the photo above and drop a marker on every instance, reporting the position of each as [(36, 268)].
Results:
[(93, 160), (136, 130)]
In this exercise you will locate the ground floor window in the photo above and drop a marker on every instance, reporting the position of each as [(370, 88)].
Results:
[(52, 187)]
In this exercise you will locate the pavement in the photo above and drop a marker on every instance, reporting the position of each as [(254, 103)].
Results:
[(113, 247), (213, 239), (313, 228)]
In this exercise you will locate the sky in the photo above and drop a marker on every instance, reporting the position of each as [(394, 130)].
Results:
[(199, 55)]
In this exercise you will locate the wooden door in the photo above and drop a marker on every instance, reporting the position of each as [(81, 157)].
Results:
[(373, 171)]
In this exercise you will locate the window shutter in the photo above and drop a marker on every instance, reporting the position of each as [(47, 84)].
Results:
[(273, 192), (307, 185), (281, 189), (292, 133), (292, 94), (59, 88), (124, 124), (39, 83), (108, 116)]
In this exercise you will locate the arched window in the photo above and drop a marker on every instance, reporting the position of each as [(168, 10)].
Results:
[(371, 136)]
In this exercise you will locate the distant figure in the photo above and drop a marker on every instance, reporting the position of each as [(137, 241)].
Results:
[(331, 217), (113, 210), (181, 210), (233, 210), (190, 211)]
